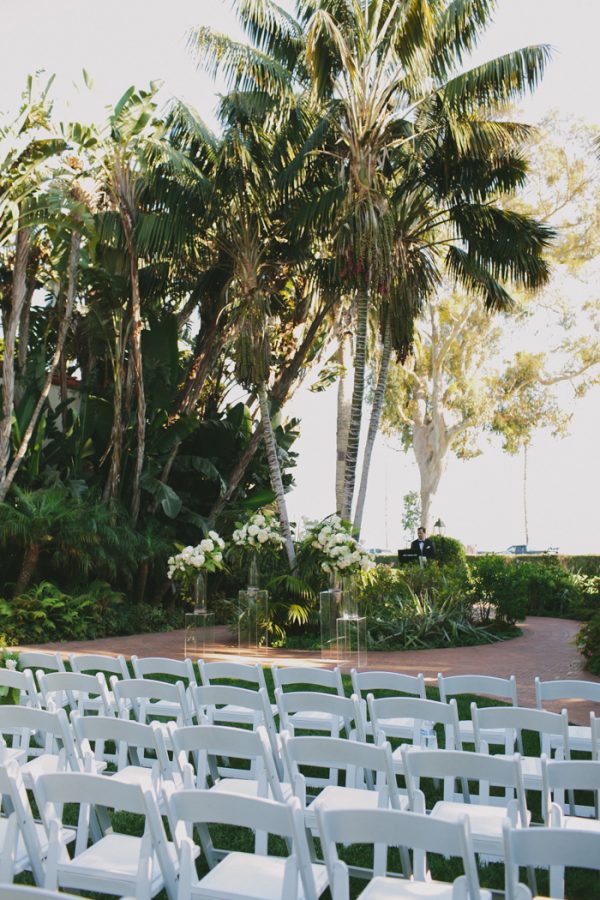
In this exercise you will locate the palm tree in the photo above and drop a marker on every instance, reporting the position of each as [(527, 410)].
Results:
[(373, 69)]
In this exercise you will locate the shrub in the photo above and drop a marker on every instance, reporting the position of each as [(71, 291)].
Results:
[(499, 589), (551, 590), (449, 551), (588, 642), (46, 613)]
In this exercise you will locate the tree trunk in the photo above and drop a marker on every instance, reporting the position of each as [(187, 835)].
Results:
[(374, 421), (525, 516), (138, 373), (24, 339), (63, 329), (236, 474), (431, 452), (28, 567), (358, 391), (18, 295), (344, 408), (115, 447), (275, 473)]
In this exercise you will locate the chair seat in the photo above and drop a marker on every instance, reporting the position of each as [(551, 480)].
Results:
[(8, 753), (581, 824), (248, 787), (232, 713), (111, 864), (401, 726), (334, 797), (316, 721), (485, 822), (381, 888), (580, 738), (239, 873), (49, 763), (467, 733)]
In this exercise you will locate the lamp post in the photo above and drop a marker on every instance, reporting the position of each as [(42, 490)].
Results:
[(439, 527)]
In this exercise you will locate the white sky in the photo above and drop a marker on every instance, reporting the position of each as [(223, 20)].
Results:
[(122, 42)]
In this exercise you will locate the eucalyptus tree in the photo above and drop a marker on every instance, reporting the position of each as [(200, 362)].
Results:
[(370, 67)]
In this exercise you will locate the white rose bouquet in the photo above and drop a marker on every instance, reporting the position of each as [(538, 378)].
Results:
[(9, 659), (185, 566), (342, 554), (262, 530)]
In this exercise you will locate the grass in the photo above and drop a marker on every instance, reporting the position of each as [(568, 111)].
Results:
[(580, 884)]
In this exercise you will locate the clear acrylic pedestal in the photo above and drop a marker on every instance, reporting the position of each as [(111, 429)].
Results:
[(330, 609), (199, 632), (351, 640), (253, 618)]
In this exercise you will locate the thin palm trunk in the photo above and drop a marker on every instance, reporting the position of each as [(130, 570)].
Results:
[(63, 329), (373, 425), (28, 567), (344, 407), (18, 295), (115, 448), (358, 391), (275, 472), (525, 516), (24, 339), (138, 374)]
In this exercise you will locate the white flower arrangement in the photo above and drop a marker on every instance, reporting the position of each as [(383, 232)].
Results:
[(261, 530), (343, 553), (207, 556)]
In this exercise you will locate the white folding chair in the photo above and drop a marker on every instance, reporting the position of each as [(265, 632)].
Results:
[(254, 709), (295, 678), (158, 668), (42, 741), (23, 842), (90, 663), (552, 730), (300, 710), (47, 660), (390, 828), (251, 676), (22, 682), (484, 811), (595, 735), (369, 778), (114, 863), (149, 699), (393, 683), (202, 753), (480, 685), (247, 876), (137, 758), (560, 778), (553, 848), (84, 693), (580, 737), (385, 711)]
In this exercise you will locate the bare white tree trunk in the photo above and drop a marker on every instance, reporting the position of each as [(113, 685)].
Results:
[(138, 376), (358, 391), (376, 411), (525, 516), (63, 329), (344, 407), (18, 295), (275, 473)]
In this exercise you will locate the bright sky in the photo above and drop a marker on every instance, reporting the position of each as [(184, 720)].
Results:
[(122, 42)]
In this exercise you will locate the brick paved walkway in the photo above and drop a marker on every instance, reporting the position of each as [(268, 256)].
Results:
[(545, 649)]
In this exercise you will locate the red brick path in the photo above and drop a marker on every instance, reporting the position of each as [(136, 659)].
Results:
[(545, 649)]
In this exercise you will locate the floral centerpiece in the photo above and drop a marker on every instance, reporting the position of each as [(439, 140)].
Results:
[(260, 534), (9, 659), (188, 567), (342, 553)]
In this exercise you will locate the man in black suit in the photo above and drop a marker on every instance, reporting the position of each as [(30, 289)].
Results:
[(423, 546)]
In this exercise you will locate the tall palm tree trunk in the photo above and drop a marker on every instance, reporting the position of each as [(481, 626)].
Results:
[(373, 425), (18, 295), (115, 447), (138, 374), (358, 390), (28, 567), (63, 329), (344, 408), (275, 472)]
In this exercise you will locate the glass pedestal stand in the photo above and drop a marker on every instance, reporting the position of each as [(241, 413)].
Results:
[(253, 618), (330, 603), (199, 632), (351, 640)]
